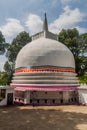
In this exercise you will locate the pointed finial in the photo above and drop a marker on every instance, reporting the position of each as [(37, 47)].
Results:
[(45, 24), (45, 15)]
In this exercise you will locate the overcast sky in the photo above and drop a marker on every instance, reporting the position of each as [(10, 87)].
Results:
[(20, 15)]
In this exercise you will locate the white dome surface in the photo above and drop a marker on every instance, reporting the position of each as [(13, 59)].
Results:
[(44, 51)]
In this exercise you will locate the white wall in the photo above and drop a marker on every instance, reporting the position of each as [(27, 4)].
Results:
[(4, 101), (82, 91)]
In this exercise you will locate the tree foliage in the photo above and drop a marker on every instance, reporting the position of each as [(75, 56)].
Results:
[(83, 79), (8, 67), (2, 44), (78, 45), (21, 40), (83, 42), (3, 78)]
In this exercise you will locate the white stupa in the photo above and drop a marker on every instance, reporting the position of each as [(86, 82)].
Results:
[(46, 66)]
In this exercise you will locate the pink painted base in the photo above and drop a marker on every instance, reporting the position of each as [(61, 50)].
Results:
[(24, 87)]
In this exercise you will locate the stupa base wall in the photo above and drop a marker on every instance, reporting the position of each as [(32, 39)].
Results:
[(46, 95)]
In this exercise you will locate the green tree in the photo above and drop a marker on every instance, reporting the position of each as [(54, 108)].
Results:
[(83, 79), (76, 43), (83, 42), (83, 52), (3, 78), (3, 44), (8, 67), (21, 40)]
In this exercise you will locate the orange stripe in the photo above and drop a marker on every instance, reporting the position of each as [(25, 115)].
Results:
[(45, 69)]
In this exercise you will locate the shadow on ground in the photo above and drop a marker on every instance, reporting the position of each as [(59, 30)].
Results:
[(15, 118)]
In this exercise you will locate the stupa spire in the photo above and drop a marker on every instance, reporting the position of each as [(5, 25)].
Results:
[(45, 24), (45, 32)]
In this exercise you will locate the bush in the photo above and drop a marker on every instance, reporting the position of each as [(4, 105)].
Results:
[(83, 79)]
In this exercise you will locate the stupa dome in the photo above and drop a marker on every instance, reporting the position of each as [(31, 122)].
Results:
[(45, 52), (45, 62)]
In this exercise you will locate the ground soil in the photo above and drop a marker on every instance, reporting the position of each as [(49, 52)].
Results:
[(43, 118)]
